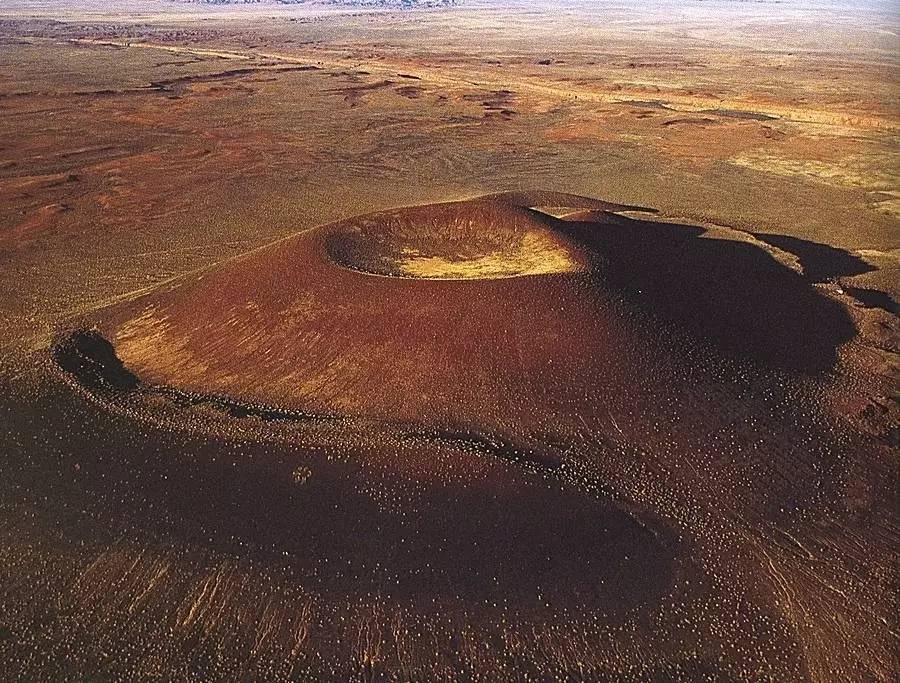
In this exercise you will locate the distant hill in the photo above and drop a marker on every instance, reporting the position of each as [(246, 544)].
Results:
[(402, 4)]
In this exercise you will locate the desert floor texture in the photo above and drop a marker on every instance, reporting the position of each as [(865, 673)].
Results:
[(475, 341)]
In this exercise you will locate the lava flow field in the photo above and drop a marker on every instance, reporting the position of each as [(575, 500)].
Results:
[(614, 440)]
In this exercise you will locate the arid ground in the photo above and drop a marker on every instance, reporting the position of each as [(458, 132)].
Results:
[(478, 340)]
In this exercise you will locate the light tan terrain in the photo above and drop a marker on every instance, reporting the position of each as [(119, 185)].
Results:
[(477, 341)]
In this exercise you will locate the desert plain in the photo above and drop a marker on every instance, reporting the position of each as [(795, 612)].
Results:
[(478, 340)]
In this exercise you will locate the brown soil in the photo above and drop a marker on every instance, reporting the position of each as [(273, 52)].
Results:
[(259, 423)]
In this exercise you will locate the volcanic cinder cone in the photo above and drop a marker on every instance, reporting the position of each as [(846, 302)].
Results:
[(525, 399), (484, 309)]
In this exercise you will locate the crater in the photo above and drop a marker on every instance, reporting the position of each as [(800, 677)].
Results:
[(454, 241)]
